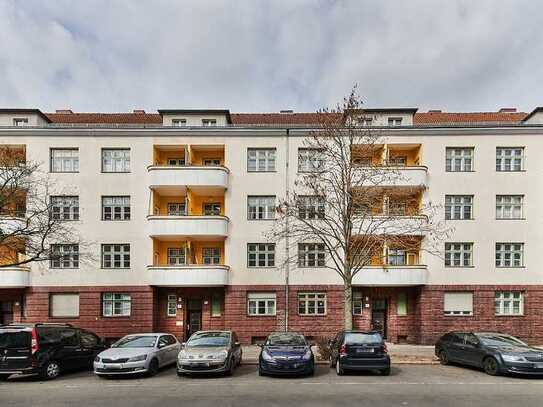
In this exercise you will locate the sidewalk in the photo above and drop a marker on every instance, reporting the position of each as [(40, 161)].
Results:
[(399, 354)]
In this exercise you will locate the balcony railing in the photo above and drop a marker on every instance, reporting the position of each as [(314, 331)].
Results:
[(188, 175), (401, 176), (192, 275), (192, 225), (386, 275), (14, 276), (411, 225)]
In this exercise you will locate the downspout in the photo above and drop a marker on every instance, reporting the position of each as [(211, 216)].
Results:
[(287, 240)]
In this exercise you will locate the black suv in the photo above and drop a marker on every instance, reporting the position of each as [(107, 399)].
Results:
[(46, 349)]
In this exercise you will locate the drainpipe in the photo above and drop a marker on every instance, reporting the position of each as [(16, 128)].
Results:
[(287, 240)]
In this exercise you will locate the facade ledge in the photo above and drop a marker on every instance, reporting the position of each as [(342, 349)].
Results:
[(388, 276), (188, 226), (189, 176), (193, 275), (14, 276)]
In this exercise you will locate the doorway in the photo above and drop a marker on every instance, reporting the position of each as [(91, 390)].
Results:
[(194, 317), (6, 313), (379, 316)]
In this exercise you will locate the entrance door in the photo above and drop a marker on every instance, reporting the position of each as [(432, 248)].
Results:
[(194, 316), (6, 313), (379, 316)]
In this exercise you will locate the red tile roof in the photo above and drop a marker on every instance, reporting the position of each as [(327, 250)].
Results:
[(105, 118), (469, 118)]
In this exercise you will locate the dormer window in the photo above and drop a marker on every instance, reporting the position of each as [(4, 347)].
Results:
[(394, 121), (19, 122), (179, 122), (365, 121), (209, 122)]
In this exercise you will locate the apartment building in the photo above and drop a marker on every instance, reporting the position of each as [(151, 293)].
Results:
[(175, 207)]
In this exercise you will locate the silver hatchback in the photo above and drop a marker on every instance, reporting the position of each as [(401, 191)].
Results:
[(138, 353)]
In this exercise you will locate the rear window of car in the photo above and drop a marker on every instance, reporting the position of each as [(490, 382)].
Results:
[(360, 338), (286, 340), (10, 340)]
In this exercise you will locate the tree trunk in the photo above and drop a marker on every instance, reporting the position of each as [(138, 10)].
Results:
[(348, 304)]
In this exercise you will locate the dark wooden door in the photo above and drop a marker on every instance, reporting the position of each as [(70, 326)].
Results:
[(379, 316)]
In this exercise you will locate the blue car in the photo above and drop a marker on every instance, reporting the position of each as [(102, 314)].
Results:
[(286, 353)]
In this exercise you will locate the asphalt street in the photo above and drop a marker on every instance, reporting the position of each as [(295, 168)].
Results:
[(408, 385)]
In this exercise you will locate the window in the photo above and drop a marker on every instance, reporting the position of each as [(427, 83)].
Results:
[(458, 303), (397, 257), (458, 254), (458, 159), (115, 256), (312, 303), (88, 339), (216, 305), (115, 208), (116, 305), (65, 207), (211, 162), (365, 121), (311, 207), (311, 255), (509, 159), (401, 304), (176, 162), (398, 161), (509, 254), (261, 304), (260, 207), (310, 160), (65, 256), (172, 305), (394, 121), (209, 122), (261, 255), (19, 122), (261, 159), (458, 207), (363, 161), (116, 160), (212, 209), (397, 208), (176, 209), (509, 206), (509, 303), (64, 305), (211, 255), (177, 256), (358, 303), (64, 160), (179, 122)]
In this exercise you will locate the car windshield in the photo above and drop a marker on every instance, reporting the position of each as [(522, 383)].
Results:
[(136, 342), (285, 339), (205, 339), (360, 338), (500, 340)]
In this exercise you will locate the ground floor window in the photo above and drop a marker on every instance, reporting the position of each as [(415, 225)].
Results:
[(312, 303), (458, 303), (116, 305), (358, 303), (172, 305), (401, 304), (216, 305), (64, 305), (261, 303), (509, 303)]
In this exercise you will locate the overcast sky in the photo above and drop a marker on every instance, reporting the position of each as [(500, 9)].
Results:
[(112, 55)]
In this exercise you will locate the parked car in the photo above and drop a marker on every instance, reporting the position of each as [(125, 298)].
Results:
[(210, 352), (359, 350), (286, 353), (138, 354), (46, 349), (495, 353)]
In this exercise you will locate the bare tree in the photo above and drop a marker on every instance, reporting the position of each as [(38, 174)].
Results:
[(350, 208), (28, 222)]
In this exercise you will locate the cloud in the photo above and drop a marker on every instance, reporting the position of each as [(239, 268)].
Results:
[(252, 55)]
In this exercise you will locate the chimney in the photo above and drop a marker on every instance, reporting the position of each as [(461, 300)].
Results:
[(288, 111), (507, 110), (139, 111), (64, 111), (435, 111)]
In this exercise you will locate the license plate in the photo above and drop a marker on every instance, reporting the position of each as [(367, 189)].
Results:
[(368, 350), (114, 366), (539, 365), (201, 364)]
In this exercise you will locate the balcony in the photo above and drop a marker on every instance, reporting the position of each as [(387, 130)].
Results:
[(14, 276), (188, 176), (194, 275), (166, 227), (389, 276), (12, 224), (409, 225)]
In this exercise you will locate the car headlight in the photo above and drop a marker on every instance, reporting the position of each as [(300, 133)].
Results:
[(307, 355), (221, 355), (137, 358), (267, 357), (97, 358), (182, 355), (513, 358)]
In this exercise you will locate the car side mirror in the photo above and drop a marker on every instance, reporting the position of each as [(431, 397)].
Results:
[(260, 345)]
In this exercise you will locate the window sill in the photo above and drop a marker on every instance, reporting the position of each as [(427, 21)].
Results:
[(261, 316), (455, 172), (64, 172), (262, 267), (509, 315), (510, 218), (509, 267), (312, 315), (261, 219), (260, 172), (117, 316), (458, 316), (459, 267), (52, 317), (116, 172), (115, 268)]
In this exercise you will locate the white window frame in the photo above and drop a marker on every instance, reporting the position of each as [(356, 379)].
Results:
[(209, 122), (311, 255), (64, 207), (456, 207), (179, 122), (309, 303), (64, 256), (116, 305), (460, 296), (358, 303), (505, 301), (260, 207), (311, 207), (310, 160), (211, 255), (396, 257), (459, 159), (74, 297), (64, 160), (260, 251), (176, 162), (509, 254), (171, 305), (116, 208), (112, 251), (211, 162), (20, 121), (177, 209), (458, 254), (261, 304), (261, 159), (509, 159), (211, 209), (116, 160), (177, 256), (395, 121), (509, 206)]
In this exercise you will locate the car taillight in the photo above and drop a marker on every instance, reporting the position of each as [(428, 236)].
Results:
[(384, 348), (343, 350), (35, 346)]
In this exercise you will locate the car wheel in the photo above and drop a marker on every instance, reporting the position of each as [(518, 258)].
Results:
[(490, 365), (260, 372), (443, 358), (339, 370), (152, 370), (386, 372), (231, 367), (50, 371)]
